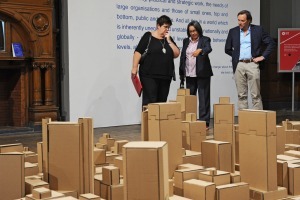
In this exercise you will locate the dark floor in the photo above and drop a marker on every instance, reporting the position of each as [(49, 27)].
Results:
[(29, 138)]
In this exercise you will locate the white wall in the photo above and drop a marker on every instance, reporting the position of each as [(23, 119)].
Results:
[(97, 75)]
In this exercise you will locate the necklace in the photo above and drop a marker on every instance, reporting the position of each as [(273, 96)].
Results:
[(163, 45)]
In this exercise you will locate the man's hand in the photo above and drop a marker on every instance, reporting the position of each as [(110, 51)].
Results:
[(258, 59)]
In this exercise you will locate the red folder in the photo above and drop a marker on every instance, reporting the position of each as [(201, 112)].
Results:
[(137, 84)]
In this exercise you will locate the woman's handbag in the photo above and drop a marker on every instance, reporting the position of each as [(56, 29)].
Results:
[(137, 84), (145, 53)]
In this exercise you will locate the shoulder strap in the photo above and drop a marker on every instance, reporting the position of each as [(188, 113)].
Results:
[(148, 43)]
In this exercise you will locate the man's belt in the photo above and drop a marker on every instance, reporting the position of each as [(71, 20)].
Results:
[(246, 60)]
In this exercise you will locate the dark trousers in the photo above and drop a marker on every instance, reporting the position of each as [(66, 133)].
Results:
[(202, 85), (155, 90)]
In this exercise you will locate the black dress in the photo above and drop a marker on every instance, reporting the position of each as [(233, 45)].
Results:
[(157, 69)]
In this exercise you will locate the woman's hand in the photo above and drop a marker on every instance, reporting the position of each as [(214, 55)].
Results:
[(167, 36), (135, 63), (134, 71), (197, 52)]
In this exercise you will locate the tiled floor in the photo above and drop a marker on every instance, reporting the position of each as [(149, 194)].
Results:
[(130, 132)]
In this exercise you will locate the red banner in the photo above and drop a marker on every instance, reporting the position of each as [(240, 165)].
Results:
[(288, 50)]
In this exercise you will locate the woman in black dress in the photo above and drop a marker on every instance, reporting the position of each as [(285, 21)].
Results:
[(157, 69)]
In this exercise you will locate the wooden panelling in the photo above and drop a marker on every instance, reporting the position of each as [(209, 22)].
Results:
[(276, 88), (29, 22)]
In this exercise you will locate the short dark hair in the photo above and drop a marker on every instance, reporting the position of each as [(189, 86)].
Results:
[(197, 27), (164, 19), (247, 13)]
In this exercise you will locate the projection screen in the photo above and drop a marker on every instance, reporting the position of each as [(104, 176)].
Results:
[(102, 36)]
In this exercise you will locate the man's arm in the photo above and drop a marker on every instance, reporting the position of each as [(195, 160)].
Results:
[(269, 42), (228, 44)]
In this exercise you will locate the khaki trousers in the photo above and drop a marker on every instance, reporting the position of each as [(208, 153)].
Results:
[(248, 74)]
